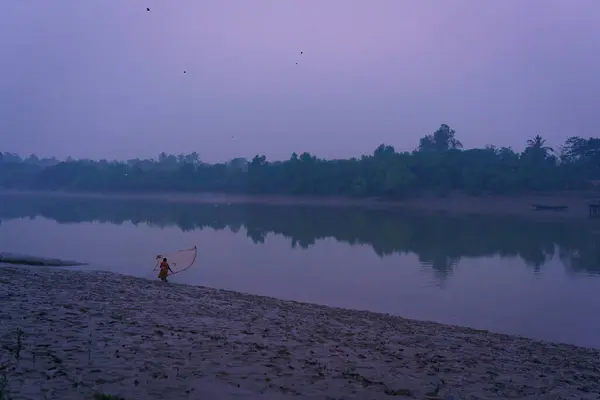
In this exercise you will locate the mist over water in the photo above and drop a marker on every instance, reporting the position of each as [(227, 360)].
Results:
[(537, 279)]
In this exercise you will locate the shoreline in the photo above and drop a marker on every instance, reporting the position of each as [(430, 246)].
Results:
[(459, 204), (87, 332), (24, 259)]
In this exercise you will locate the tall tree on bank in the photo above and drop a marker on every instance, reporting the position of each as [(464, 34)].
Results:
[(441, 140)]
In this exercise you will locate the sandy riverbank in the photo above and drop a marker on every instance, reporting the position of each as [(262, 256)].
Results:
[(99, 332), (519, 205)]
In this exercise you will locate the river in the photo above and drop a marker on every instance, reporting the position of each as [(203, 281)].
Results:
[(536, 279)]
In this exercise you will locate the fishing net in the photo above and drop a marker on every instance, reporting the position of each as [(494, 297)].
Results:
[(179, 260)]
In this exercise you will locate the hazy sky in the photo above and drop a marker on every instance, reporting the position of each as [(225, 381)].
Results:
[(104, 79)]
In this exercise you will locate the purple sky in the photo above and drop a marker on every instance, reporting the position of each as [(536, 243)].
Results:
[(104, 79)]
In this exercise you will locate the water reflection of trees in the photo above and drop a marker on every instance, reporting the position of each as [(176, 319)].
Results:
[(439, 241)]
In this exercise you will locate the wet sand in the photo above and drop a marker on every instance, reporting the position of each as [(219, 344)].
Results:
[(519, 205), (67, 335)]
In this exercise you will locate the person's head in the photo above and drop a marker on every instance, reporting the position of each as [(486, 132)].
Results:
[(165, 259)]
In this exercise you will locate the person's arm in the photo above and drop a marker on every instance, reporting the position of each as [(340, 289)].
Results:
[(168, 266)]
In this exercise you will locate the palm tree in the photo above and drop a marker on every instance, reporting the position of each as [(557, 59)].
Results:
[(537, 153), (537, 145)]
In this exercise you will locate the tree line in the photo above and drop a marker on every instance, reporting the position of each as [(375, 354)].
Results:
[(438, 165), (440, 242)]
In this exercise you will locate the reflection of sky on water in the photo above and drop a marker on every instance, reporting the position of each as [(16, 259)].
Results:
[(495, 293)]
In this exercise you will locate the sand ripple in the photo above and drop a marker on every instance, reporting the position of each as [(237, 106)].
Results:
[(67, 335)]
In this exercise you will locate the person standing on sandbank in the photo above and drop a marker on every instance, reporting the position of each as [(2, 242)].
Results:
[(164, 270)]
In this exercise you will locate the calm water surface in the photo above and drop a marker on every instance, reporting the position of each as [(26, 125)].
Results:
[(540, 280)]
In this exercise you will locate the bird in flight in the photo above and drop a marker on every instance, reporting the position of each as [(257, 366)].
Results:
[(147, 8)]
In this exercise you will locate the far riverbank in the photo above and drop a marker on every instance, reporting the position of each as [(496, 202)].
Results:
[(517, 205)]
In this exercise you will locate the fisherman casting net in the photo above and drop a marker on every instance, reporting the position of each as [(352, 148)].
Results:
[(179, 260)]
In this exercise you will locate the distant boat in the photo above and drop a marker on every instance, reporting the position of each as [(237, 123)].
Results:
[(542, 207)]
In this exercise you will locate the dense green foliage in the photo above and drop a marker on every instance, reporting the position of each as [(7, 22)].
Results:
[(439, 241), (439, 165)]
